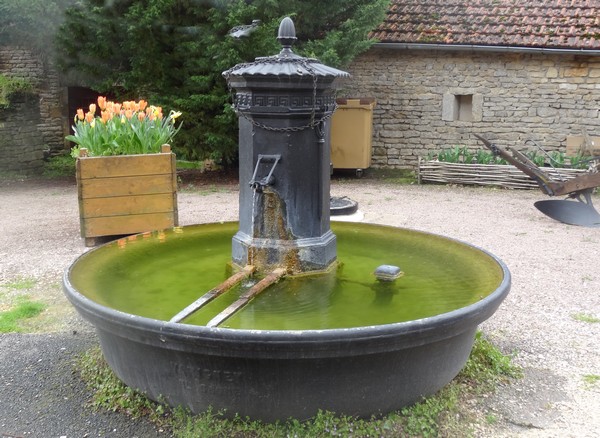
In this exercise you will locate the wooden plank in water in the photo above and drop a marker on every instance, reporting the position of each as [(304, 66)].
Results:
[(213, 293), (270, 279)]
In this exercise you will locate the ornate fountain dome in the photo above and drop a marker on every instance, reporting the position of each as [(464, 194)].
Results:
[(286, 62)]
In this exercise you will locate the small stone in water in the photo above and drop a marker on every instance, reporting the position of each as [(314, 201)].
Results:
[(388, 272)]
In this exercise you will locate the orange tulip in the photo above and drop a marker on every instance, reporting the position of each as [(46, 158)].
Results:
[(93, 108), (102, 102), (128, 113), (80, 114), (89, 117), (141, 116), (143, 104), (117, 108), (106, 116)]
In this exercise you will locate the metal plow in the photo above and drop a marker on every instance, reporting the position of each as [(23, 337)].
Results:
[(576, 209)]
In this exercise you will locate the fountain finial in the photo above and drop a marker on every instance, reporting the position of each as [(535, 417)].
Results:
[(287, 35)]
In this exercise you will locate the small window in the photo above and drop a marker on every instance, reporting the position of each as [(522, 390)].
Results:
[(460, 106), (463, 107)]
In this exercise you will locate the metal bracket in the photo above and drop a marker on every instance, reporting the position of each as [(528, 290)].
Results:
[(320, 131), (268, 180)]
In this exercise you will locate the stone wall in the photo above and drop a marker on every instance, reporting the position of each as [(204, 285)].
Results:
[(21, 141), (51, 121), (433, 100)]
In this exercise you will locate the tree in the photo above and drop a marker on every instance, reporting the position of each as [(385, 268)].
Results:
[(173, 52), (31, 23)]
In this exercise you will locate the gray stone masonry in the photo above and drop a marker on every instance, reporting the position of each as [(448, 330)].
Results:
[(51, 122), (433, 100), (21, 141)]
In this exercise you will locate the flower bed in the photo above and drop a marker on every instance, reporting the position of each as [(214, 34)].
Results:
[(498, 175)]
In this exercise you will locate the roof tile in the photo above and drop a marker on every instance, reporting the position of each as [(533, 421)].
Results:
[(560, 24)]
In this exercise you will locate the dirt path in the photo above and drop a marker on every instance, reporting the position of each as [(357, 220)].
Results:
[(554, 269)]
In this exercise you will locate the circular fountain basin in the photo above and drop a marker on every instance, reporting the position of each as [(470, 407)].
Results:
[(339, 341)]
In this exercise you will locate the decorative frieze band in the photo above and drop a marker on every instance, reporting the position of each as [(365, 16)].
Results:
[(249, 100)]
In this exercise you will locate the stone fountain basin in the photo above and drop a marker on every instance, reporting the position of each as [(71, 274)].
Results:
[(273, 375)]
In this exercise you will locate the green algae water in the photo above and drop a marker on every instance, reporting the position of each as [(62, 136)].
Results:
[(157, 274)]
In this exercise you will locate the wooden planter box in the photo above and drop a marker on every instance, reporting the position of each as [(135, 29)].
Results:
[(498, 175), (126, 194)]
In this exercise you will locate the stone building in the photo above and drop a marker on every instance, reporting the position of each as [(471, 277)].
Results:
[(33, 124), (505, 69), (511, 70)]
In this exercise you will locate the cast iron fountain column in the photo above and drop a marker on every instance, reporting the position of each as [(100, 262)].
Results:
[(284, 103)]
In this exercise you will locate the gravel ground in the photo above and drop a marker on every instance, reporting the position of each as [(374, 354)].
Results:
[(554, 273)]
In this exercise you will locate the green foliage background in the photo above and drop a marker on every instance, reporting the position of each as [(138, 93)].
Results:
[(172, 53), (31, 23)]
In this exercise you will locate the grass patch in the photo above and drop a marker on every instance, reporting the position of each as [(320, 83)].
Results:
[(59, 166), (183, 164), (12, 175), (10, 320), (591, 379), (487, 366), (392, 176), (111, 394), (439, 415), (203, 190), (23, 283), (585, 317)]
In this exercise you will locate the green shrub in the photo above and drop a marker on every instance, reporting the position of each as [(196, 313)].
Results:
[(556, 159), (59, 166), (10, 86), (173, 53)]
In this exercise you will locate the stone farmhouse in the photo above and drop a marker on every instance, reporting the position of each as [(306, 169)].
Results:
[(510, 70), (442, 70)]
